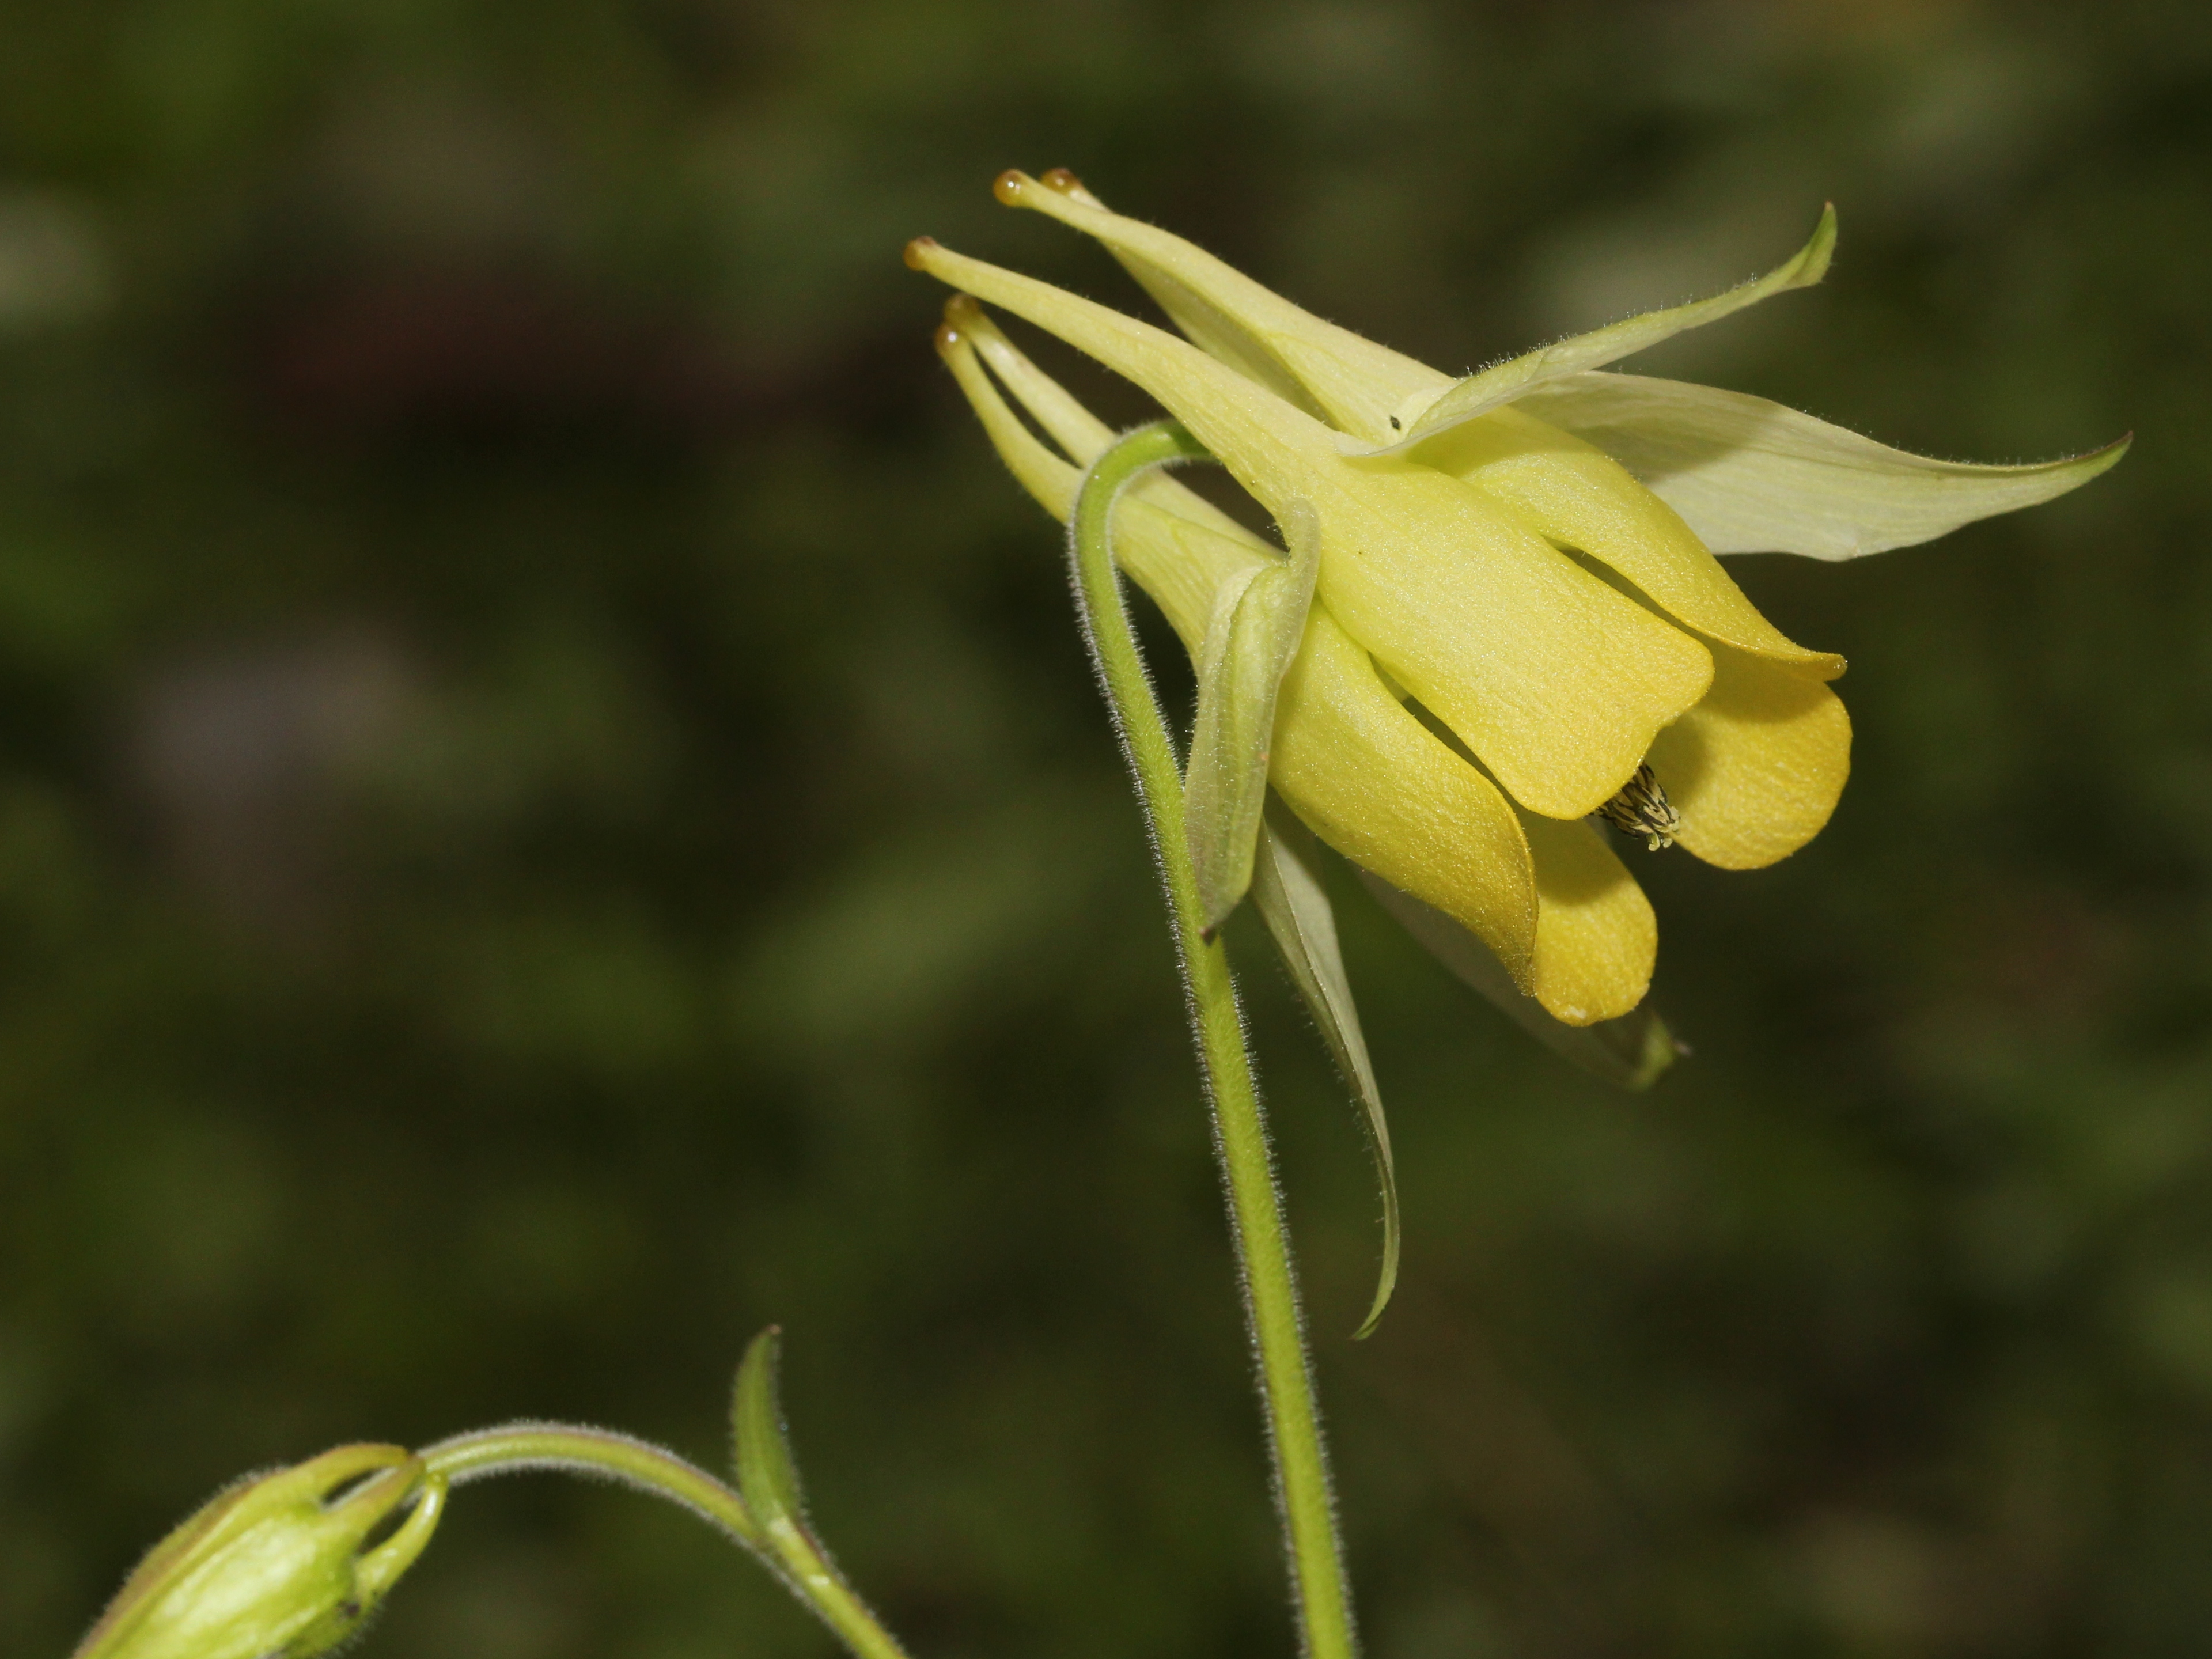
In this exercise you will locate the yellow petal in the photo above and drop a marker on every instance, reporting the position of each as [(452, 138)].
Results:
[(1052, 480), (1348, 758), (1555, 681), (1755, 769), (1164, 535), (1576, 496), (1596, 937), (1075, 429), (1345, 378), (1380, 787), (1254, 433), (1547, 897)]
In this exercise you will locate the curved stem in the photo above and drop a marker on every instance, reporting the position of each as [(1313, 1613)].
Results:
[(522, 1447), (1270, 1296)]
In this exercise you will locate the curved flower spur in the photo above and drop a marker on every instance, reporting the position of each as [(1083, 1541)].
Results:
[(1517, 624)]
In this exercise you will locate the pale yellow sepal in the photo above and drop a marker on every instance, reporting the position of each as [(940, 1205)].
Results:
[(1752, 475), (1574, 495), (1286, 888), (1257, 629), (1756, 769), (1632, 1051), (1422, 417), (1556, 682)]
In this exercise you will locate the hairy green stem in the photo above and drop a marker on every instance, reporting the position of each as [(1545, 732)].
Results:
[(1271, 1295), (521, 1447)]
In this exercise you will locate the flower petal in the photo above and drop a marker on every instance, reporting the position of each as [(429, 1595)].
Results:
[(1377, 784), (1328, 372), (1597, 934), (1165, 535), (1287, 890), (1506, 382), (1751, 476), (1255, 634), (1630, 1051), (1574, 495), (1756, 769), (1554, 680), (1253, 433), (1053, 480), (1082, 435)]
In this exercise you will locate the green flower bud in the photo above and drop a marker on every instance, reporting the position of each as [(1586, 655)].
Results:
[(279, 1566)]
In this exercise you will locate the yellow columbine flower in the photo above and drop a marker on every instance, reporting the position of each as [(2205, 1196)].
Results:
[(1519, 620)]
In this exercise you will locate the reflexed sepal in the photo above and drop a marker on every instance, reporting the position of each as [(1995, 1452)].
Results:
[(1751, 476), (1253, 637), (1420, 417), (1286, 888), (1631, 1051)]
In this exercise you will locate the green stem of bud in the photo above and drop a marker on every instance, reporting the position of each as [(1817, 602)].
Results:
[(1270, 1296), (519, 1448)]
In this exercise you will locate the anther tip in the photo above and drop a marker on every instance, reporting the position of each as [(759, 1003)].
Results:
[(950, 339), (1061, 180), (917, 252), (962, 309), (1009, 185)]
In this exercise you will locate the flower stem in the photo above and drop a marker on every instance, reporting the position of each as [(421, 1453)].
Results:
[(1240, 1133), (521, 1447)]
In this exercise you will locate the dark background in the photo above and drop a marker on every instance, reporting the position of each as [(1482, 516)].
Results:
[(552, 815)]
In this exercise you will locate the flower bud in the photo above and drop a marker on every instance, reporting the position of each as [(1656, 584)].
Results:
[(279, 1566)]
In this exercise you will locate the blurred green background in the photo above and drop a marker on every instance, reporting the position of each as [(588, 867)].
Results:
[(553, 815)]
